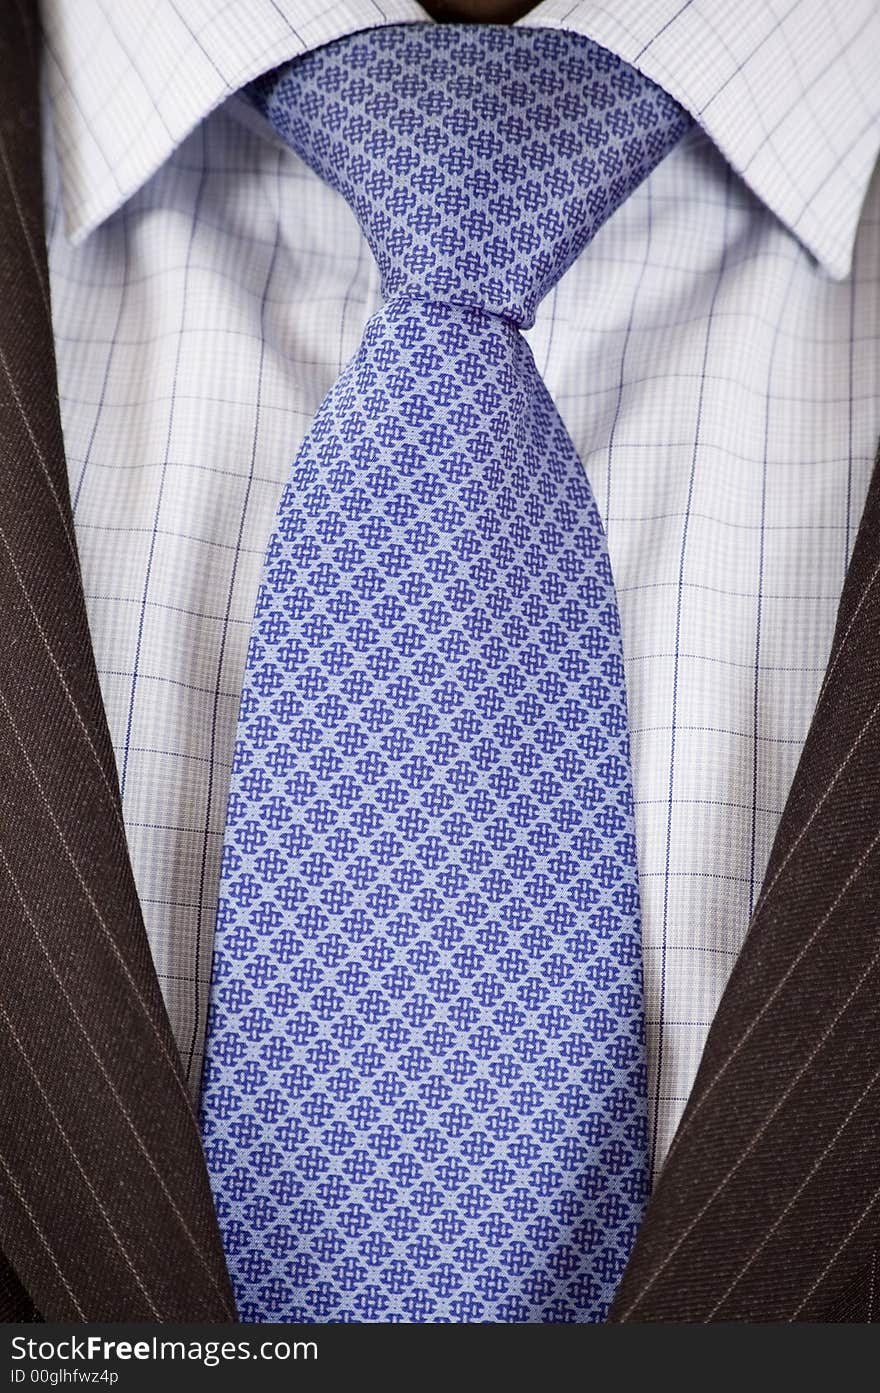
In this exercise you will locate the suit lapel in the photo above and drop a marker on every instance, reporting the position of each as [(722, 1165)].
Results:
[(768, 1207), (105, 1208)]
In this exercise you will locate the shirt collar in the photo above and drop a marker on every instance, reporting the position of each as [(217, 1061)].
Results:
[(790, 96)]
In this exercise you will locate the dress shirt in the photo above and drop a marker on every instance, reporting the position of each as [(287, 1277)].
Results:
[(714, 354)]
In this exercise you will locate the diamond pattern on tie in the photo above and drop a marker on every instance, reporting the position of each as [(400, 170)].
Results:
[(424, 1098)]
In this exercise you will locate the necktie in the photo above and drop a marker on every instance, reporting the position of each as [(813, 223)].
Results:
[(424, 1095)]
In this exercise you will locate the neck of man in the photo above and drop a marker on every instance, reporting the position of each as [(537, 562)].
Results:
[(478, 11)]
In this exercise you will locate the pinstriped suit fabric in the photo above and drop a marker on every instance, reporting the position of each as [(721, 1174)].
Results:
[(95, 1110)]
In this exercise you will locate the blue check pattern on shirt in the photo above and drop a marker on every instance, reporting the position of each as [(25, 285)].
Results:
[(424, 1096)]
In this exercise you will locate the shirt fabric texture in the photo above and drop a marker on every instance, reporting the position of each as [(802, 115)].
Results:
[(713, 354)]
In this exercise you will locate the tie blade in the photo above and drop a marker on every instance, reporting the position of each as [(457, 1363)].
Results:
[(425, 1091)]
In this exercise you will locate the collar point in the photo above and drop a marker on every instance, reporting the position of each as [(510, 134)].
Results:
[(833, 255)]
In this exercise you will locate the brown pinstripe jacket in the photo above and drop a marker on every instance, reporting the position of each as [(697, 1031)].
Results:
[(768, 1208)]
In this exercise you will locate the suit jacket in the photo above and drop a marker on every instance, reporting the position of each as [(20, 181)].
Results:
[(768, 1207)]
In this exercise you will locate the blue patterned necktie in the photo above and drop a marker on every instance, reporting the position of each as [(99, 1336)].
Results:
[(424, 1096)]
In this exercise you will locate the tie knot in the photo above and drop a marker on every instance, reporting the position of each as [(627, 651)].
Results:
[(479, 160)]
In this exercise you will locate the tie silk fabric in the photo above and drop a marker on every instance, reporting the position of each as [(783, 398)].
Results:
[(424, 1096)]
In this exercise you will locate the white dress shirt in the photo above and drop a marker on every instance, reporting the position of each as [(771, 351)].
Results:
[(714, 354)]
